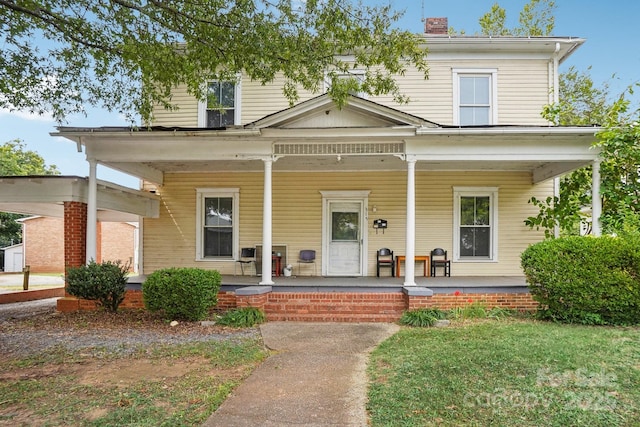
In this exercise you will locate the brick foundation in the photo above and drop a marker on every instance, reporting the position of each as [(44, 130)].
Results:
[(132, 299), (335, 306)]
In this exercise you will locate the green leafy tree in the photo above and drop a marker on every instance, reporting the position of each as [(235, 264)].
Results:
[(15, 159), (584, 104), (619, 141), (493, 23), (128, 55), (536, 19)]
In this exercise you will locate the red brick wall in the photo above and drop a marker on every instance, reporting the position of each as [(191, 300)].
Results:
[(44, 244), (226, 301), (337, 306), (47, 243), (118, 242)]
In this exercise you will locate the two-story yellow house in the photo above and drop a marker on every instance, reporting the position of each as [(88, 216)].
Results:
[(454, 168)]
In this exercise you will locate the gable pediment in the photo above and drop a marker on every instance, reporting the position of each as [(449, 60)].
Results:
[(323, 113)]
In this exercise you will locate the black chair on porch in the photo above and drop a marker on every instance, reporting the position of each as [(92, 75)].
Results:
[(384, 258), (441, 261), (247, 256)]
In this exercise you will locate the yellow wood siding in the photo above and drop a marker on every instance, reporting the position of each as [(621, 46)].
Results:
[(186, 115), (523, 89), (297, 215), (257, 101)]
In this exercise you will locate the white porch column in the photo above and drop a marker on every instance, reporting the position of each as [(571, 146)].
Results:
[(596, 200), (556, 193), (266, 225), (410, 236), (92, 211)]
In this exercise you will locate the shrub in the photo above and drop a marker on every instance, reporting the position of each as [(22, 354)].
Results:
[(422, 317), (588, 280), (105, 283), (182, 293), (242, 317)]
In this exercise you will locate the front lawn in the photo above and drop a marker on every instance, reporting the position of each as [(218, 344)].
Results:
[(507, 373)]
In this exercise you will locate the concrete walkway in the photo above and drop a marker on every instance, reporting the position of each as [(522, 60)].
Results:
[(316, 378)]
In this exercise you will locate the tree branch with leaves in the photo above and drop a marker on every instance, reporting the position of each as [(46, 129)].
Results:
[(128, 55)]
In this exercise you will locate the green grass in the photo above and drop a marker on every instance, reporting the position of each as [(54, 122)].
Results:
[(507, 373)]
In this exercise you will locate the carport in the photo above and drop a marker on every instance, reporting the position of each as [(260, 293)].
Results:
[(69, 197)]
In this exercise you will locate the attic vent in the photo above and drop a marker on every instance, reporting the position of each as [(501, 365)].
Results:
[(334, 149)]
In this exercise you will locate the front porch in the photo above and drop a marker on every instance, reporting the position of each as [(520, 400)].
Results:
[(438, 284)]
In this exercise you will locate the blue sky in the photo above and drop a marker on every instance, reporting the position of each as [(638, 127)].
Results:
[(611, 29)]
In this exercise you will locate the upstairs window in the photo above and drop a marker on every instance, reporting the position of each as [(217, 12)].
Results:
[(475, 100), (222, 106), (359, 75)]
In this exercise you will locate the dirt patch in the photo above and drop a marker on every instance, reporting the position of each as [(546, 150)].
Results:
[(104, 362), (137, 370)]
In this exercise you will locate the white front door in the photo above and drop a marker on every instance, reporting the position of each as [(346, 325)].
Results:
[(344, 237)]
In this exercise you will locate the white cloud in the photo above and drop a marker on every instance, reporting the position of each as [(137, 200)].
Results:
[(27, 115)]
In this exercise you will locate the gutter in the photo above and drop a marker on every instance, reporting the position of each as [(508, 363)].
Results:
[(508, 131)]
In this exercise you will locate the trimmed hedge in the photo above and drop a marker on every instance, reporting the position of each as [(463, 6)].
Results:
[(105, 283), (588, 280), (182, 293)]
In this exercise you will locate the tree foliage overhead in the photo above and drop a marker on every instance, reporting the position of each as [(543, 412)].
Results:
[(127, 55), (536, 19)]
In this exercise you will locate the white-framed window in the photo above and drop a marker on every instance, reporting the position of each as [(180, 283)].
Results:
[(475, 222), (217, 213), (221, 108), (357, 74), (475, 97)]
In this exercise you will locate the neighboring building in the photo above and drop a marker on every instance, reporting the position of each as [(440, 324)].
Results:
[(454, 168), (43, 241), (13, 258)]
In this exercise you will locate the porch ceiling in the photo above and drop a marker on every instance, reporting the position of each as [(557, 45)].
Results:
[(348, 163)]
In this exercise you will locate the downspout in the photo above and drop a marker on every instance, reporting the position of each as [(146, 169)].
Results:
[(556, 99)]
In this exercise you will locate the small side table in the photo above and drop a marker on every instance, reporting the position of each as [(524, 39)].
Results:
[(424, 258), (276, 262)]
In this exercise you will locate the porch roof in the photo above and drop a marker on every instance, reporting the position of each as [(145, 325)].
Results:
[(546, 152), (45, 195)]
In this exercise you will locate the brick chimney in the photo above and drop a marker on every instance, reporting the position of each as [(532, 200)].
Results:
[(436, 26)]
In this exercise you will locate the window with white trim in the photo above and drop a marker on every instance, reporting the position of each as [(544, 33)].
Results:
[(475, 97), (359, 75), (475, 223), (216, 223), (221, 108)]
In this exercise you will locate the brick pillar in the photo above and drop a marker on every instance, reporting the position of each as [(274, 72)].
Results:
[(75, 244), (75, 232), (98, 242)]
